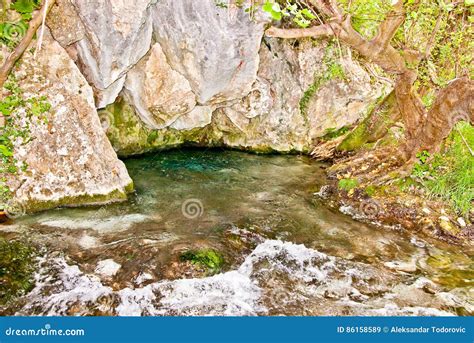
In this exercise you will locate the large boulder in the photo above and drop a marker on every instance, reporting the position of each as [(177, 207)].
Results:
[(301, 92), (68, 159), (217, 54), (117, 35), (159, 93)]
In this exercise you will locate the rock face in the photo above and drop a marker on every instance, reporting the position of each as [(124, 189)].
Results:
[(117, 35), (192, 72), (300, 93), (296, 97), (216, 53), (159, 93), (69, 159)]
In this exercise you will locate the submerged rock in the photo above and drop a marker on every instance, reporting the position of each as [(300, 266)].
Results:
[(107, 268)]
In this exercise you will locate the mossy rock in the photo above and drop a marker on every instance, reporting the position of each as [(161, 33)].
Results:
[(208, 258), (348, 184), (116, 195)]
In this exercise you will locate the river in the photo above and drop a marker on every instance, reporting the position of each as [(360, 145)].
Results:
[(281, 249)]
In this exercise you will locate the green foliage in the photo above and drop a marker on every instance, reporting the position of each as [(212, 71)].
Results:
[(334, 70), (441, 28), (332, 133), (300, 16), (221, 4), (366, 15), (16, 269), (207, 258), (10, 107), (348, 184), (444, 29), (370, 190), (450, 175), (25, 7)]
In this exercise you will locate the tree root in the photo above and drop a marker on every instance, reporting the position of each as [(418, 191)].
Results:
[(380, 166)]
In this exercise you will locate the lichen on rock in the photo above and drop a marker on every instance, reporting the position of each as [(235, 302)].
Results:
[(68, 159)]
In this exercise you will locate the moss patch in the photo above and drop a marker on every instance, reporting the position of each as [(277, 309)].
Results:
[(208, 258), (129, 136), (347, 184), (375, 125), (16, 269), (332, 133), (80, 200)]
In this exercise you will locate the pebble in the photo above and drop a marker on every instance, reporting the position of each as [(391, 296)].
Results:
[(426, 285), (407, 267), (461, 222), (107, 268)]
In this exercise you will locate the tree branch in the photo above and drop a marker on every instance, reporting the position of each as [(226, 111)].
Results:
[(25, 42), (390, 25), (314, 31), (327, 7)]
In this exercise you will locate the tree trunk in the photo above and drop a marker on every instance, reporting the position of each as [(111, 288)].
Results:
[(453, 104), (424, 130), (374, 126)]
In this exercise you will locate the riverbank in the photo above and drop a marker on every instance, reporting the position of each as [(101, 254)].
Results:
[(230, 233), (434, 198)]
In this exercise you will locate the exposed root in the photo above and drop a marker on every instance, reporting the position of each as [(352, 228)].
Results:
[(327, 151), (367, 162)]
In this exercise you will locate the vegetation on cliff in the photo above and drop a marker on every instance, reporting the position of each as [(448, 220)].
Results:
[(424, 49)]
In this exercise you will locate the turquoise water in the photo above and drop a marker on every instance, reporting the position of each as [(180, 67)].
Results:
[(285, 251)]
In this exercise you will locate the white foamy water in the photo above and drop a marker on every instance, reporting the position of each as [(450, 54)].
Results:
[(101, 225), (275, 275)]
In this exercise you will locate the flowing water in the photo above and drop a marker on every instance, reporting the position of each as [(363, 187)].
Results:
[(285, 252)]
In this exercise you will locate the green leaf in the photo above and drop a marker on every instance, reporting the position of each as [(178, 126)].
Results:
[(276, 15), (25, 6), (5, 151), (276, 7), (267, 7), (307, 13), (301, 22), (292, 8)]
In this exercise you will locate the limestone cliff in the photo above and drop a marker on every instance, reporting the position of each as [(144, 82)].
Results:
[(163, 73)]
